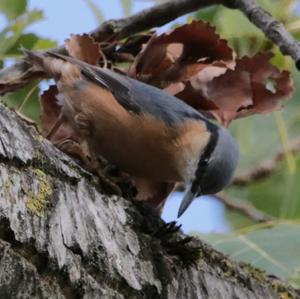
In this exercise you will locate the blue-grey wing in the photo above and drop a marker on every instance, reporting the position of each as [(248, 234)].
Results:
[(139, 97), (136, 96)]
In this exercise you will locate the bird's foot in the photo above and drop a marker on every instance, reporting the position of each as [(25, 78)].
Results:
[(178, 247), (117, 182), (107, 183)]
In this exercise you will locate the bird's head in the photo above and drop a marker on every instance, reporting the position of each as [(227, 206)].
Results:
[(215, 168)]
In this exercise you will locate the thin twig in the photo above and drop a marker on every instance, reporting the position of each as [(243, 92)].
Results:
[(266, 168), (155, 16), (244, 208), (273, 29), (239, 206), (29, 94)]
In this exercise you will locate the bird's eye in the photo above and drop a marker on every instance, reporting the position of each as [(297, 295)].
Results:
[(203, 162)]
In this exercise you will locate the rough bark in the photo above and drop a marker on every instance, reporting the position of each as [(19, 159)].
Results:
[(61, 237)]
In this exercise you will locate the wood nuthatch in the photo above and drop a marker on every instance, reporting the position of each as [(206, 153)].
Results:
[(140, 128)]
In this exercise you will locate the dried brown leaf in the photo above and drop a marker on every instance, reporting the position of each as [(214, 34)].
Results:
[(50, 112), (240, 92), (181, 54), (84, 47), (196, 99), (269, 85), (230, 93)]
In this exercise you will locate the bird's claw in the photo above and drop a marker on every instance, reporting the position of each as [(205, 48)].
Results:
[(177, 247)]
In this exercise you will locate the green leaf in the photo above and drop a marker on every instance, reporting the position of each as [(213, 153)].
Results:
[(283, 62), (127, 6), (44, 43), (9, 43), (278, 195), (32, 16), (242, 35), (26, 40), (13, 8), (275, 249), (95, 10), (238, 220), (207, 14), (259, 140), (31, 108), (16, 30)]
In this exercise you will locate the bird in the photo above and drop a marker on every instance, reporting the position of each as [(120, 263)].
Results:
[(141, 129)]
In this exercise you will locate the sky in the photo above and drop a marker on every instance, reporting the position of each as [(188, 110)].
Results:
[(65, 17)]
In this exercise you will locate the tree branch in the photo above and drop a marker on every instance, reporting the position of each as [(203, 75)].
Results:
[(265, 168), (155, 16), (272, 28), (19, 74), (244, 208)]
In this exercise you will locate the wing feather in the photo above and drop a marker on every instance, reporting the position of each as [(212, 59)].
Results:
[(135, 96)]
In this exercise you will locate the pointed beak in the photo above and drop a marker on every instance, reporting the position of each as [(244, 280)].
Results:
[(187, 200)]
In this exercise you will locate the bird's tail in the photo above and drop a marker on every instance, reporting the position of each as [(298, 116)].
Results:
[(52, 64), (35, 58)]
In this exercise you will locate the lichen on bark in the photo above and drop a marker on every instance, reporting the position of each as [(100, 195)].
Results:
[(36, 202)]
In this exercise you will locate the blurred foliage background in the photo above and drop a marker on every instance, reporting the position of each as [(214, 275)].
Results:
[(274, 245)]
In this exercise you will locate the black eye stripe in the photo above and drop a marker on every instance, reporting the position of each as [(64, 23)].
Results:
[(204, 159), (211, 144), (203, 163), (209, 148)]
